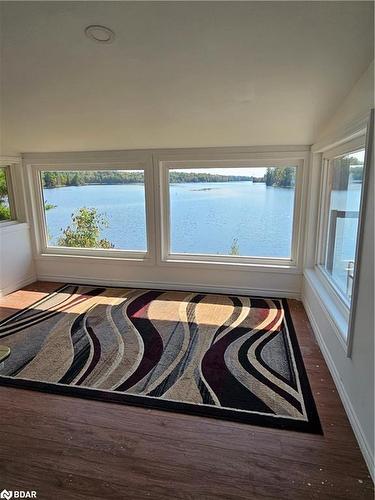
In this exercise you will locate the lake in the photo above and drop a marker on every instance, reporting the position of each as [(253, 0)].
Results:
[(205, 217)]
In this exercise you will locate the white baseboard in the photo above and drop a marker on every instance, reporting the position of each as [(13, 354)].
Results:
[(17, 285), (352, 416), (198, 287)]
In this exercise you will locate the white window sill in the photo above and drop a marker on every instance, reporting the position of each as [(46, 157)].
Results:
[(260, 265), (146, 259), (98, 258), (328, 303), (13, 225)]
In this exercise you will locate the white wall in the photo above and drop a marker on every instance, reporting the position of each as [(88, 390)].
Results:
[(16, 256), (359, 100), (16, 264), (354, 376), (199, 277)]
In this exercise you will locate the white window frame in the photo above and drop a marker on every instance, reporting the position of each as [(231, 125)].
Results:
[(357, 135), (152, 161), (66, 163), (185, 161), (340, 300)]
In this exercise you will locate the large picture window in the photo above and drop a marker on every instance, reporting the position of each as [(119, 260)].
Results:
[(95, 209), (231, 213), (222, 209), (344, 180)]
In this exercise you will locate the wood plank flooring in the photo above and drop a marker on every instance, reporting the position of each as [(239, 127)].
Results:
[(70, 448)]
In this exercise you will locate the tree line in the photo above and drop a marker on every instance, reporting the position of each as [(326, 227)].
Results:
[(180, 177), (82, 178), (274, 176)]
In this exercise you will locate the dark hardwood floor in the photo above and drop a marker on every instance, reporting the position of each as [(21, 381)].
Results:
[(70, 448)]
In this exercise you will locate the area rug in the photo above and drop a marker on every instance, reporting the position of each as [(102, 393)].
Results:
[(224, 356)]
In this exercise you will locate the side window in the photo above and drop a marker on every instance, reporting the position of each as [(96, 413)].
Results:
[(7, 211), (345, 185)]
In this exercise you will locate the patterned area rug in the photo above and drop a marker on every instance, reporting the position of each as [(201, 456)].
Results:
[(230, 357)]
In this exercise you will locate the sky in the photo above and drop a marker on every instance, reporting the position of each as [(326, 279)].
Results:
[(248, 171), (360, 155)]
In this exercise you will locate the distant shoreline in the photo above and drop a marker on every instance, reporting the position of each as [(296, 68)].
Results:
[(53, 179), (141, 183)]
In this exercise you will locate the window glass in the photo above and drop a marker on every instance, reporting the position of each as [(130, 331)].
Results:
[(5, 206), (346, 182), (95, 209), (232, 211)]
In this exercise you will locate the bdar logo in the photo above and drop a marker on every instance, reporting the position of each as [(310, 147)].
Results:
[(16, 494), (6, 494)]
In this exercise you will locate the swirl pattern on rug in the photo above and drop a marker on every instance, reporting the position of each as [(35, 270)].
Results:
[(225, 356)]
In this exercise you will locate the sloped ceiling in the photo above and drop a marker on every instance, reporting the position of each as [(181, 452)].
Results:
[(179, 74)]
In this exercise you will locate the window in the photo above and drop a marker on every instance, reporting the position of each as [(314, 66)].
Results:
[(344, 178), (6, 201), (95, 209), (231, 213), (143, 206)]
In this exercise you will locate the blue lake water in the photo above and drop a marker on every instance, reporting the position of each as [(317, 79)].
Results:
[(123, 205), (207, 221), (205, 217)]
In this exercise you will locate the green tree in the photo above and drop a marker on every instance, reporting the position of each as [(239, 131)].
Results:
[(49, 206), (234, 248), (50, 179), (75, 180), (280, 177), (287, 177), (4, 212), (269, 176), (4, 204), (85, 229)]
